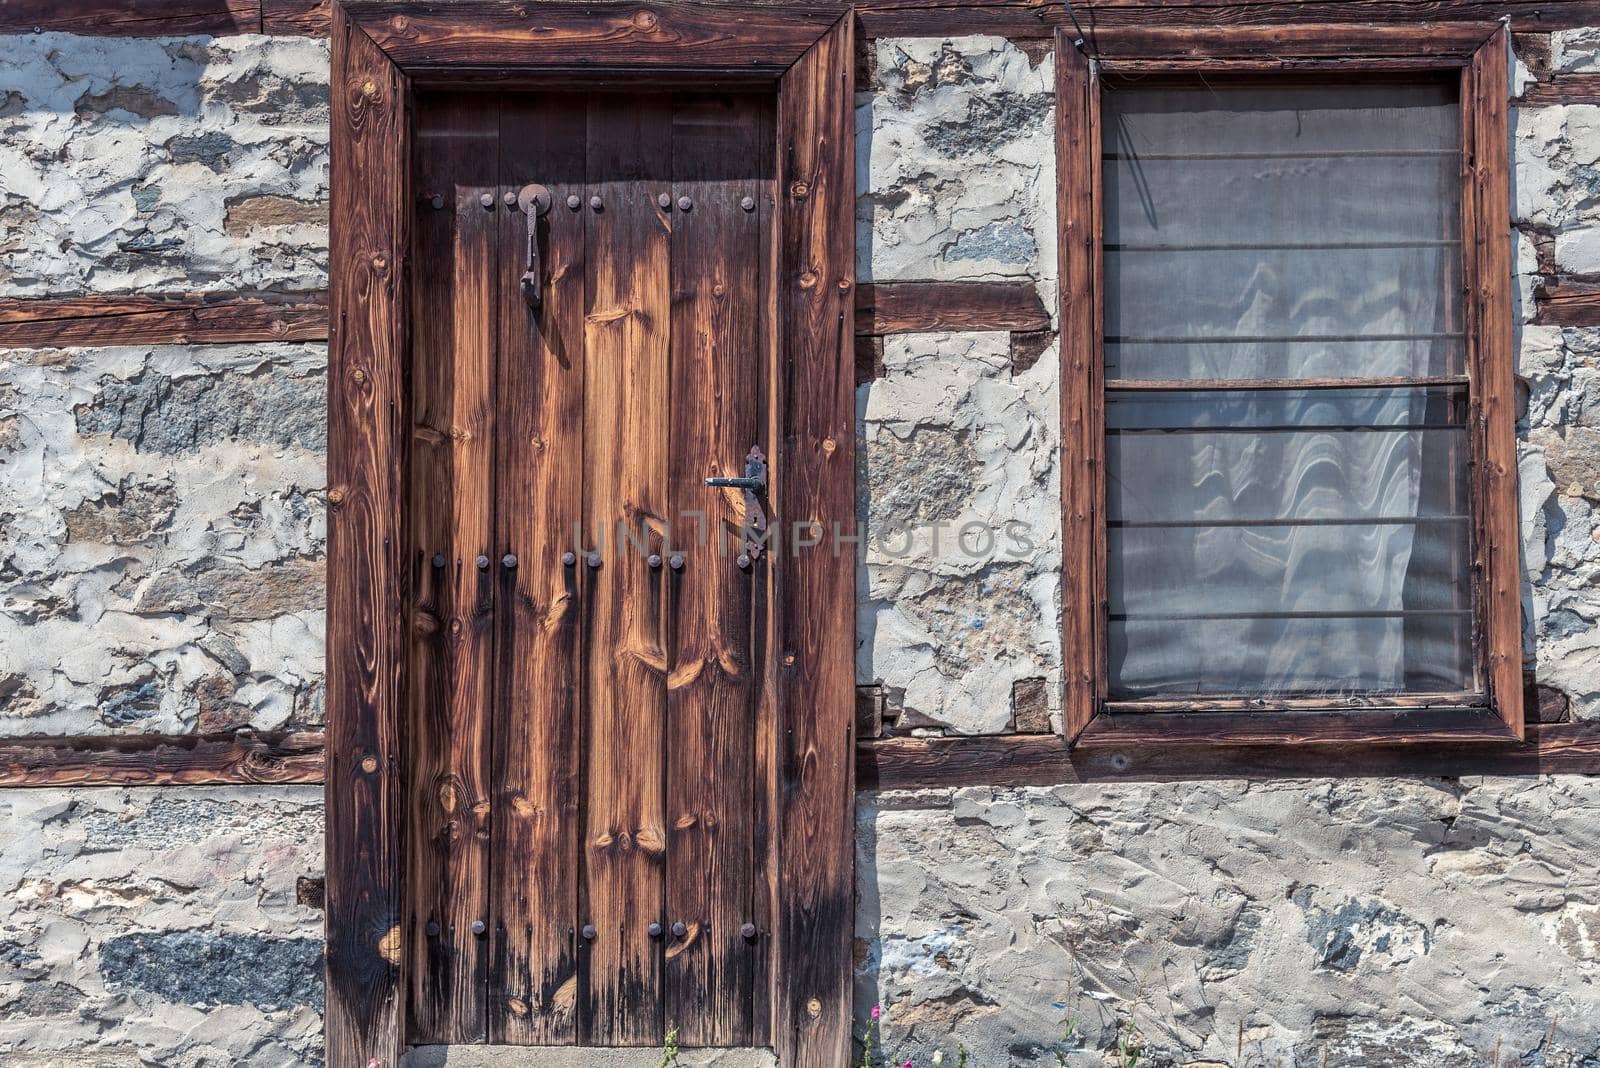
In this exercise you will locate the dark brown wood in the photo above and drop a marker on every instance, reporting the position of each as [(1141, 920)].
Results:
[(176, 319), (1024, 19), (1019, 19), (1046, 760), (625, 442), (1491, 359), (815, 631), (455, 282), (1567, 303), (1174, 46), (162, 759), (117, 18), (1562, 89), (923, 307), (713, 796), (1078, 207), (533, 981), (308, 18), (368, 574), (556, 34)]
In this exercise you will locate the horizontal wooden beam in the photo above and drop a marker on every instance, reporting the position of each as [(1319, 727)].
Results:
[(132, 18), (1564, 303), (1019, 19), (882, 764), (930, 307), (1045, 760), (1561, 89), (51, 322), (54, 322), (162, 759)]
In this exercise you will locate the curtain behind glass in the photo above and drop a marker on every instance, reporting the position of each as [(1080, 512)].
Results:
[(1265, 539)]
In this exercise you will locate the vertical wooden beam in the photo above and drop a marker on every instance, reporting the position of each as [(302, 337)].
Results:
[(1082, 437), (1486, 228), (533, 980), (366, 640), (814, 495)]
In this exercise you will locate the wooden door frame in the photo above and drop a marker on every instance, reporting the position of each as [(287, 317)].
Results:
[(383, 52)]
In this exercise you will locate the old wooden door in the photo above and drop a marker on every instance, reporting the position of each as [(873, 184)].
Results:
[(590, 780)]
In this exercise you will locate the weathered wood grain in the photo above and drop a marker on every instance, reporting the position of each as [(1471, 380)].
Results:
[(815, 587), (1561, 89), (1567, 303), (173, 319), (281, 758), (452, 607), (1019, 19), (554, 34), (713, 796), (533, 981), (1078, 206), (1046, 760), (368, 576), (625, 477), (1491, 358), (116, 18), (923, 307)]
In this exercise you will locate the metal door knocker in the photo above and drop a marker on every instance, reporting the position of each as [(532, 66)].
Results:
[(533, 201)]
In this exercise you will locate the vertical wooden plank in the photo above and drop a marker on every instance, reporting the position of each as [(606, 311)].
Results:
[(451, 526), (1082, 417), (816, 586), (625, 472), (764, 832), (1486, 236), (533, 981), (366, 567), (713, 689)]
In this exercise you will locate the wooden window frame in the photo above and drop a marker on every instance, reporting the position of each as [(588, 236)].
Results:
[(383, 52), (1480, 54)]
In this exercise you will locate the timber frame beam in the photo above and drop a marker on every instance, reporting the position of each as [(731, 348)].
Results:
[(384, 51)]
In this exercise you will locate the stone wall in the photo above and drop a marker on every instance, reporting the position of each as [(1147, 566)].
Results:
[(161, 569), (160, 927)]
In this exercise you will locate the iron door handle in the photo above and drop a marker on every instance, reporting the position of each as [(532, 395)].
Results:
[(753, 481)]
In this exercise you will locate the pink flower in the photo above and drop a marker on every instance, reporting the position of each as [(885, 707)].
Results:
[(906, 1065), (877, 1011)]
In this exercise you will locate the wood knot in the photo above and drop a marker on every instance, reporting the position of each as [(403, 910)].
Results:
[(844, 285), (799, 190), (369, 89), (400, 23), (814, 1007), (389, 946), (358, 375), (808, 280), (646, 20), (369, 764), (336, 497), (828, 445)]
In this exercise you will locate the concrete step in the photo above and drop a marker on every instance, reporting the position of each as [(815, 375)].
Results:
[(579, 1057)]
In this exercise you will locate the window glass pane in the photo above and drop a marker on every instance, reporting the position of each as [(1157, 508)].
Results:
[(1308, 541)]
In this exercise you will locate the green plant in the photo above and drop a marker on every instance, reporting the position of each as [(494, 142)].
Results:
[(1069, 1029), (669, 1052), (1129, 1046)]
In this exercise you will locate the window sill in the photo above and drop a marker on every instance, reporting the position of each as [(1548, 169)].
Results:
[(1293, 724)]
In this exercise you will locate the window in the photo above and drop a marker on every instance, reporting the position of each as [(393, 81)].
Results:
[(1286, 312)]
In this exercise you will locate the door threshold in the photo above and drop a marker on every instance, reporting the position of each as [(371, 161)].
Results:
[(482, 1056)]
